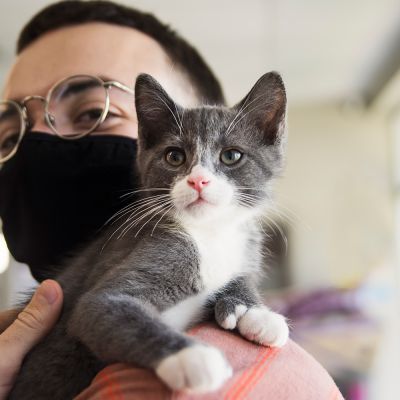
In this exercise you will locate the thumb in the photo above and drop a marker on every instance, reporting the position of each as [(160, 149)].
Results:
[(33, 322)]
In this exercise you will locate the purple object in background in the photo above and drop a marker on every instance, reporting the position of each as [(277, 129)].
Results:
[(321, 301), (356, 391), (333, 325)]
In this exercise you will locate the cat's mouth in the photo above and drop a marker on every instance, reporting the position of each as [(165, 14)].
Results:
[(199, 202)]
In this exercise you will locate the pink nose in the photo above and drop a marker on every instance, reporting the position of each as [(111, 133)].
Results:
[(197, 182)]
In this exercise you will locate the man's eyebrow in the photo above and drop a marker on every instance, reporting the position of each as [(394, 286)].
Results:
[(78, 86), (74, 88)]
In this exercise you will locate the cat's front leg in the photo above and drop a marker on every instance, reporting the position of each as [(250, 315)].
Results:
[(228, 311), (196, 369), (233, 301), (118, 327), (238, 306), (261, 325)]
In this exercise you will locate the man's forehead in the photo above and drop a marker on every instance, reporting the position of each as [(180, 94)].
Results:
[(99, 49)]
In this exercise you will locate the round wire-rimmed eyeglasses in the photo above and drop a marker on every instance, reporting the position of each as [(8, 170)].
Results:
[(73, 108)]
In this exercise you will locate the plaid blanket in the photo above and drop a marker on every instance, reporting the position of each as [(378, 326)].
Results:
[(259, 373)]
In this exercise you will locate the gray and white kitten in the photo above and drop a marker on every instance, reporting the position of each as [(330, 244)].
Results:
[(188, 250)]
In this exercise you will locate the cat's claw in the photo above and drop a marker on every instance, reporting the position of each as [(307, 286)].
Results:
[(263, 326), (196, 369)]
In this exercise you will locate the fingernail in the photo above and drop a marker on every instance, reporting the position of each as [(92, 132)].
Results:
[(47, 292)]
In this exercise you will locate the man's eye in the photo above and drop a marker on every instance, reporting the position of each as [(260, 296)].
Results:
[(89, 116), (8, 143)]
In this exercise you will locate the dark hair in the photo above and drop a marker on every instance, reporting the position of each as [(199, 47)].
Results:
[(74, 12)]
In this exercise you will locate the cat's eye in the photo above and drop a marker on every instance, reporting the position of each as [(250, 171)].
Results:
[(231, 156), (175, 157)]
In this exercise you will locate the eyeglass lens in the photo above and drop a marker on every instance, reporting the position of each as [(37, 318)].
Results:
[(76, 105), (10, 129)]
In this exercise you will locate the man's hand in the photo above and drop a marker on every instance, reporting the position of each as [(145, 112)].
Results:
[(29, 327)]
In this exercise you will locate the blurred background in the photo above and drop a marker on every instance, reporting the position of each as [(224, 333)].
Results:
[(338, 203)]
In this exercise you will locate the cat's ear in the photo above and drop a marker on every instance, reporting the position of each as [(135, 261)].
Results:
[(156, 111), (265, 106)]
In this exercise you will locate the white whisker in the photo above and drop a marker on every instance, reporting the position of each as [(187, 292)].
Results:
[(283, 236), (162, 216), (177, 123), (137, 214), (243, 116), (130, 206), (142, 190), (140, 218), (244, 106)]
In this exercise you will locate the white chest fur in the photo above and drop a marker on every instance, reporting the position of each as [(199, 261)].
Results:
[(222, 253), (222, 257)]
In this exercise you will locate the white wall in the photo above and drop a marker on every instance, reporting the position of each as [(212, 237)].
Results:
[(337, 182)]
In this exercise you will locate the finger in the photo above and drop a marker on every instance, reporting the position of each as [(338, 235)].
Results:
[(32, 323)]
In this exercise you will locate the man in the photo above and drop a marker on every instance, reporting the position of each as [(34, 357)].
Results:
[(55, 193)]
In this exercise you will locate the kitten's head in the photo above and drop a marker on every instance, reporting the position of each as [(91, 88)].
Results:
[(211, 161)]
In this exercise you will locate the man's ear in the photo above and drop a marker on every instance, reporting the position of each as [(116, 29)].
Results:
[(156, 111), (265, 106)]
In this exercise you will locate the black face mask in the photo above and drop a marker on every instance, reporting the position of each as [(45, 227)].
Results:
[(56, 194)]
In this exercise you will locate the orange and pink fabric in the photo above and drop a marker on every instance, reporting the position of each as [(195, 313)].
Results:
[(260, 373)]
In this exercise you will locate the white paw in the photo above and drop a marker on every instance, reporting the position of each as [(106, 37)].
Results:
[(263, 326), (195, 369), (231, 320)]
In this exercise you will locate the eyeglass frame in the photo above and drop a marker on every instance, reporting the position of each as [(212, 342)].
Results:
[(23, 114)]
